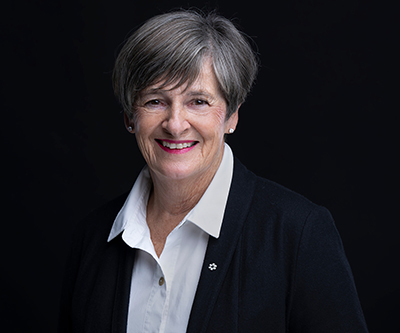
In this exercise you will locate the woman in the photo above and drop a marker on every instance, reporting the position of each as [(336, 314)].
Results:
[(201, 244)]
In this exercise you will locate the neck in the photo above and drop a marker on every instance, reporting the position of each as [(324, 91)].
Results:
[(177, 197), (169, 202)]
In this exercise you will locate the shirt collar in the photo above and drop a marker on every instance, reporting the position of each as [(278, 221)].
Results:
[(207, 214), (209, 211), (134, 207)]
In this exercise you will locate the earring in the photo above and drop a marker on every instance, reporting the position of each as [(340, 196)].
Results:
[(130, 128), (231, 130)]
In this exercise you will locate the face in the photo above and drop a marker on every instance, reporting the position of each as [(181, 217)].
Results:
[(180, 132)]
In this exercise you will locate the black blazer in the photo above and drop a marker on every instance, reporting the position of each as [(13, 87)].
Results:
[(280, 268)]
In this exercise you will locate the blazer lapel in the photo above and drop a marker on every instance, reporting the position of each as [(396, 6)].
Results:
[(123, 288), (220, 251)]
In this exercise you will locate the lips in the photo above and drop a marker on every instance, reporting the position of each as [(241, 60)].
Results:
[(174, 146)]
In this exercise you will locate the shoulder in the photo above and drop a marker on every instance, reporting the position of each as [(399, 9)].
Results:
[(282, 200), (272, 205), (97, 224), (272, 195), (294, 242)]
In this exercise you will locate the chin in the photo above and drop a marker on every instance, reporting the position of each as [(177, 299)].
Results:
[(176, 172)]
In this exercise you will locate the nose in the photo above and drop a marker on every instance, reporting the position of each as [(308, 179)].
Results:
[(176, 122)]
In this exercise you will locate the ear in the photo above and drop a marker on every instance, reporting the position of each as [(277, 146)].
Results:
[(129, 123), (231, 123)]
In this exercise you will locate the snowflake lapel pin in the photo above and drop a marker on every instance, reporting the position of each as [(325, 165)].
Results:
[(212, 267)]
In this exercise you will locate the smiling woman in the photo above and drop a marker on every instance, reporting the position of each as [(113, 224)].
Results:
[(169, 117), (201, 244)]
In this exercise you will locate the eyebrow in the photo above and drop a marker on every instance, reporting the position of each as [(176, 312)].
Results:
[(151, 91), (200, 93)]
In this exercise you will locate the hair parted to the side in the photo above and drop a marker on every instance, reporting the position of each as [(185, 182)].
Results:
[(170, 49)]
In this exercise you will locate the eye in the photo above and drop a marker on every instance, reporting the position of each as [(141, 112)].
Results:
[(199, 102), (153, 102)]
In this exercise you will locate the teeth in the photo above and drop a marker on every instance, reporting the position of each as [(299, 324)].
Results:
[(177, 145)]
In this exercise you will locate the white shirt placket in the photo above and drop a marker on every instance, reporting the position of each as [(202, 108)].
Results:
[(156, 303)]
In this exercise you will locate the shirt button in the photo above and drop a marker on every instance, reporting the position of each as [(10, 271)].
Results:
[(161, 281)]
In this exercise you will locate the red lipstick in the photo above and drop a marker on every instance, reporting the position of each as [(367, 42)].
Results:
[(176, 146)]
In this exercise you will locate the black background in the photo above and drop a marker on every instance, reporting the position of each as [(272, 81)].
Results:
[(320, 120)]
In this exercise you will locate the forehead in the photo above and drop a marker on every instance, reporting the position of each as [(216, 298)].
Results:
[(206, 83)]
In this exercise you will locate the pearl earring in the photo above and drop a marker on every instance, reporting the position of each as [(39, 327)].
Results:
[(231, 130), (130, 128)]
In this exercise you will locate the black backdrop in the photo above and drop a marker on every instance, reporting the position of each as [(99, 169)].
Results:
[(320, 121)]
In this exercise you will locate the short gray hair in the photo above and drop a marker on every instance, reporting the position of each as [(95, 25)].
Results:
[(171, 48)]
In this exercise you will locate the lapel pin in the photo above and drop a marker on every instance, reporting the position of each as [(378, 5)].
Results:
[(212, 267)]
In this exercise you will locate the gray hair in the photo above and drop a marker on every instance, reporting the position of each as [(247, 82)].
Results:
[(170, 48)]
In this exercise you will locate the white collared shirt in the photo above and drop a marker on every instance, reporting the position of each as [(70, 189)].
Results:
[(163, 288)]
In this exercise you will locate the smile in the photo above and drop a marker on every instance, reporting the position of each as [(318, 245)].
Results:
[(176, 146)]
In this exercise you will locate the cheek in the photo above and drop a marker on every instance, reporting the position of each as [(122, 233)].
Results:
[(218, 124), (143, 130), (145, 123), (221, 116)]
